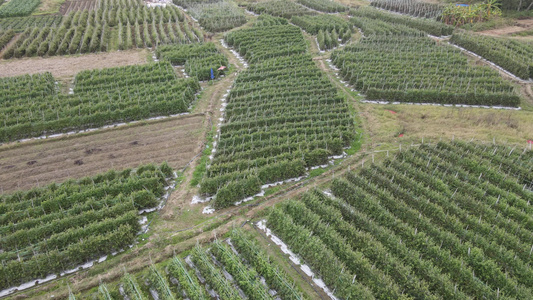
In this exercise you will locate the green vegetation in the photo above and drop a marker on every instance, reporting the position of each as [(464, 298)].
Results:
[(112, 26), (18, 8), (382, 68), (324, 6), (32, 105), (372, 21), (410, 7), (188, 282), (189, 3), (280, 8), (283, 115), (268, 20), (219, 16), (330, 30), (5, 37), (513, 55), (436, 222), (20, 24), (198, 59), (57, 227), (459, 15)]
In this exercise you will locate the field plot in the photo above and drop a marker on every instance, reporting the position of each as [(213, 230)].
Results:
[(114, 26), (280, 8), (68, 67), (188, 3), (198, 59), (330, 30), (75, 5), (39, 163), (283, 115), (219, 16), (33, 106), (58, 227), (446, 221), (410, 7), (382, 67), (372, 21), (237, 268), (324, 6), (18, 8), (512, 55), (21, 23)]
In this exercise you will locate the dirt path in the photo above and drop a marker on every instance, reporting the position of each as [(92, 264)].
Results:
[(68, 66)]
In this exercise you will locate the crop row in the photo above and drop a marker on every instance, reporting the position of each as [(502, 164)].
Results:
[(97, 30), (313, 24), (5, 37), (382, 67), (410, 7), (218, 16), (280, 8), (281, 89), (18, 8), (327, 6), (21, 23), (198, 59), (268, 20), (431, 223), (34, 107), (234, 269), (51, 229), (387, 19), (512, 55)]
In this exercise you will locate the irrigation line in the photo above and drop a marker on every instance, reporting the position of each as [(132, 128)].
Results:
[(289, 262)]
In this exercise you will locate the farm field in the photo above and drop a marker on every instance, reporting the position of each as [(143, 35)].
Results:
[(175, 140), (68, 67), (55, 228), (263, 149), (94, 101), (411, 213)]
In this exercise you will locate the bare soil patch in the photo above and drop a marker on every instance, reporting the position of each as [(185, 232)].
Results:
[(519, 26), (69, 66), (75, 5), (37, 163)]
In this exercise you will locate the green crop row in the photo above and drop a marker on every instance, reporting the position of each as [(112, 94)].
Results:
[(94, 31), (18, 8), (280, 8), (382, 68), (514, 56), (387, 19), (21, 23), (324, 6), (33, 107), (54, 228), (282, 116), (446, 221), (410, 7), (218, 16), (313, 24)]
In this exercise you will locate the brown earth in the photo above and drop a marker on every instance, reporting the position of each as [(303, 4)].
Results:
[(69, 66), (37, 163), (519, 26)]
